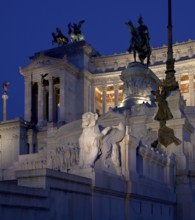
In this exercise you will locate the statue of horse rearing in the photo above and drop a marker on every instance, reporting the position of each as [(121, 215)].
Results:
[(139, 41)]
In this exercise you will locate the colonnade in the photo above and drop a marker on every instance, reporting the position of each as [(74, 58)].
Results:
[(189, 83), (104, 92), (52, 109), (47, 104), (190, 96)]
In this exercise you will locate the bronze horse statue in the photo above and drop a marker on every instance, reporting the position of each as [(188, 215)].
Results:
[(74, 31), (59, 38), (139, 41)]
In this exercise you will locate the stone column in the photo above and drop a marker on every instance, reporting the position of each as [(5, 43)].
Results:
[(178, 79), (40, 102), (62, 98), (191, 89), (104, 91), (4, 97), (92, 98), (51, 100), (28, 99), (115, 95)]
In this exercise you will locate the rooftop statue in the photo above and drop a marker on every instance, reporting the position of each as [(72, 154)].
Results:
[(74, 31), (139, 41), (59, 38), (5, 89)]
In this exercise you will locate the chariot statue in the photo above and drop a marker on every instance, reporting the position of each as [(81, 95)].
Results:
[(59, 38), (74, 31), (140, 41)]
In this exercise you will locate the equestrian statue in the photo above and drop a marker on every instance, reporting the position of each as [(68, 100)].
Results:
[(140, 41)]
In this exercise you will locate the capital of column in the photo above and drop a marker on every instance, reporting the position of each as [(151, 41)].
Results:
[(116, 86), (104, 88), (4, 97), (50, 78)]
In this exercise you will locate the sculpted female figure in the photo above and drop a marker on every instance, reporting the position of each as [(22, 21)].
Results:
[(163, 113)]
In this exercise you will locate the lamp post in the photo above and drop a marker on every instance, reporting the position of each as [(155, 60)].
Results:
[(170, 80)]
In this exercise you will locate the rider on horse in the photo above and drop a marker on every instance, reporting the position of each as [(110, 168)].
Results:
[(140, 41)]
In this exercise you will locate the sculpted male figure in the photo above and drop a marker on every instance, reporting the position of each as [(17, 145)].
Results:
[(104, 144), (89, 140)]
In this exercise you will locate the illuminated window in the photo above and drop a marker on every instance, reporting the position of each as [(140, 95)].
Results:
[(184, 84), (184, 78)]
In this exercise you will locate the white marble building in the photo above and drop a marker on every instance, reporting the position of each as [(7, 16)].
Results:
[(80, 70), (40, 155)]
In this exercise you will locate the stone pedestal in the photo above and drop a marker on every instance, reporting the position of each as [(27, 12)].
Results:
[(138, 80)]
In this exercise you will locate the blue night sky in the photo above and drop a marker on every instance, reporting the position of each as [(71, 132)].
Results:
[(26, 28)]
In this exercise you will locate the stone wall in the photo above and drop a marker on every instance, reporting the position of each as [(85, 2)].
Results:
[(47, 194)]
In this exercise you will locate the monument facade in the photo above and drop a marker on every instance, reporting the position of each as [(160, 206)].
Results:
[(84, 148)]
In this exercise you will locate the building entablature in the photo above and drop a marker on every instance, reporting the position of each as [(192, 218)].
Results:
[(109, 63), (106, 79), (182, 67), (181, 51), (185, 65), (102, 78), (13, 124)]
